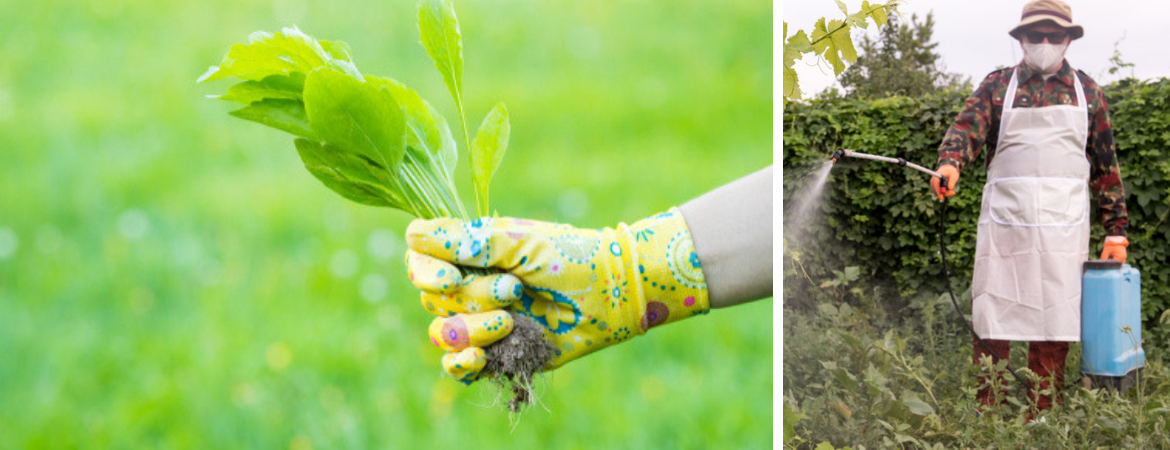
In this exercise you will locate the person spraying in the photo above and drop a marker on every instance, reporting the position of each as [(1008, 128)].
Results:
[(1050, 155)]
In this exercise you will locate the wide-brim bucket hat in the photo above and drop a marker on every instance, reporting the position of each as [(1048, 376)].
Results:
[(1056, 11)]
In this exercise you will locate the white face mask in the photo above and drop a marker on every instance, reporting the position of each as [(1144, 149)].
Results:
[(1043, 56)]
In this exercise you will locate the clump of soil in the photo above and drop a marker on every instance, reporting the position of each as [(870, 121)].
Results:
[(514, 361)]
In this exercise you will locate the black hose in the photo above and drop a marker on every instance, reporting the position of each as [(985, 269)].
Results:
[(942, 246)]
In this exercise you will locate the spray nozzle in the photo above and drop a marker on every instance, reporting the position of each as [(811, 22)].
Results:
[(837, 155)]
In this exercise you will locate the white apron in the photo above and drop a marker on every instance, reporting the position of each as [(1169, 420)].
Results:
[(1033, 233)]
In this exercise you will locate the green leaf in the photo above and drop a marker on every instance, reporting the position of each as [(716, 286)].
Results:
[(834, 43), (841, 375), (350, 165), (356, 117), (282, 53), (850, 339), (361, 139), (875, 378), (880, 16), (824, 446), (439, 30), (841, 6), (324, 165), (287, 87), (916, 405), (845, 412), (338, 50), (283, 114), (794, 48), (858, 19), (790, 419), (427, 132), (792, 84), (491, 141)]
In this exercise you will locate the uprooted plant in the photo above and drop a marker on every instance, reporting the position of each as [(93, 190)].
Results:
[(376, 142)]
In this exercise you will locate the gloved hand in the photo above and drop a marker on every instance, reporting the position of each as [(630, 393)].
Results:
[(587, 289), (952, 174), (445, 293), (1115, 250)]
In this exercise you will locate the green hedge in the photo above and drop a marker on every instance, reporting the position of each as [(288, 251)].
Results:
[(882, 218)]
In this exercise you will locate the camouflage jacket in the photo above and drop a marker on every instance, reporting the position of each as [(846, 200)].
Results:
[(978, 125)]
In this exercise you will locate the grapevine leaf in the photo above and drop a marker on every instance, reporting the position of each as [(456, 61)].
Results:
[(491, 141), (835, 45), (356, 117), (283, 114), (858, 19), (794, 48), (322, 163), (841, 5), (439, 30), (878, 12), (792, 84), (273, 86), (879, 15), (819, 31)]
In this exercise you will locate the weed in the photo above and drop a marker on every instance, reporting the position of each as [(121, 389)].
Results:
[(858, 379)]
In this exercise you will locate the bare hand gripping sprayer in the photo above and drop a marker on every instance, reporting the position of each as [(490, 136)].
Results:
[(1111, 305)]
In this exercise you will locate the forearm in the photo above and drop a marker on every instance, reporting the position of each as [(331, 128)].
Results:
[(955, 147), (1109, 196), (732, 230), (1105, 182)]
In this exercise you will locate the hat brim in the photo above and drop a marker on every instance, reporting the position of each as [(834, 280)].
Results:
[(1075, 31)]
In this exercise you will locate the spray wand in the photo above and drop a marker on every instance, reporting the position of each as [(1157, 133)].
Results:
[(943, 182)]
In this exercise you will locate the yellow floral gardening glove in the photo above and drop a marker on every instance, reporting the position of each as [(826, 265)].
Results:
[(588, 289)]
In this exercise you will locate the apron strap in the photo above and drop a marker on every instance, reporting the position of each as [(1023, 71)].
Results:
[(1081, 102), (1082, 105), (1009, 98)]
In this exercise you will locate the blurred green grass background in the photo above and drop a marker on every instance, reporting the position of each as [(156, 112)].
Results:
[(172, 277)]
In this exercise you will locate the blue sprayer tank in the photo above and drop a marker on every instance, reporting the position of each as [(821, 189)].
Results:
[(1111, 299)]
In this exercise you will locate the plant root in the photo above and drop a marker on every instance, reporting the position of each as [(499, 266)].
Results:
[(514, 361)]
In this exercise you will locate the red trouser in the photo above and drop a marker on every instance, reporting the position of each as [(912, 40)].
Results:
[(1046, 358)]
